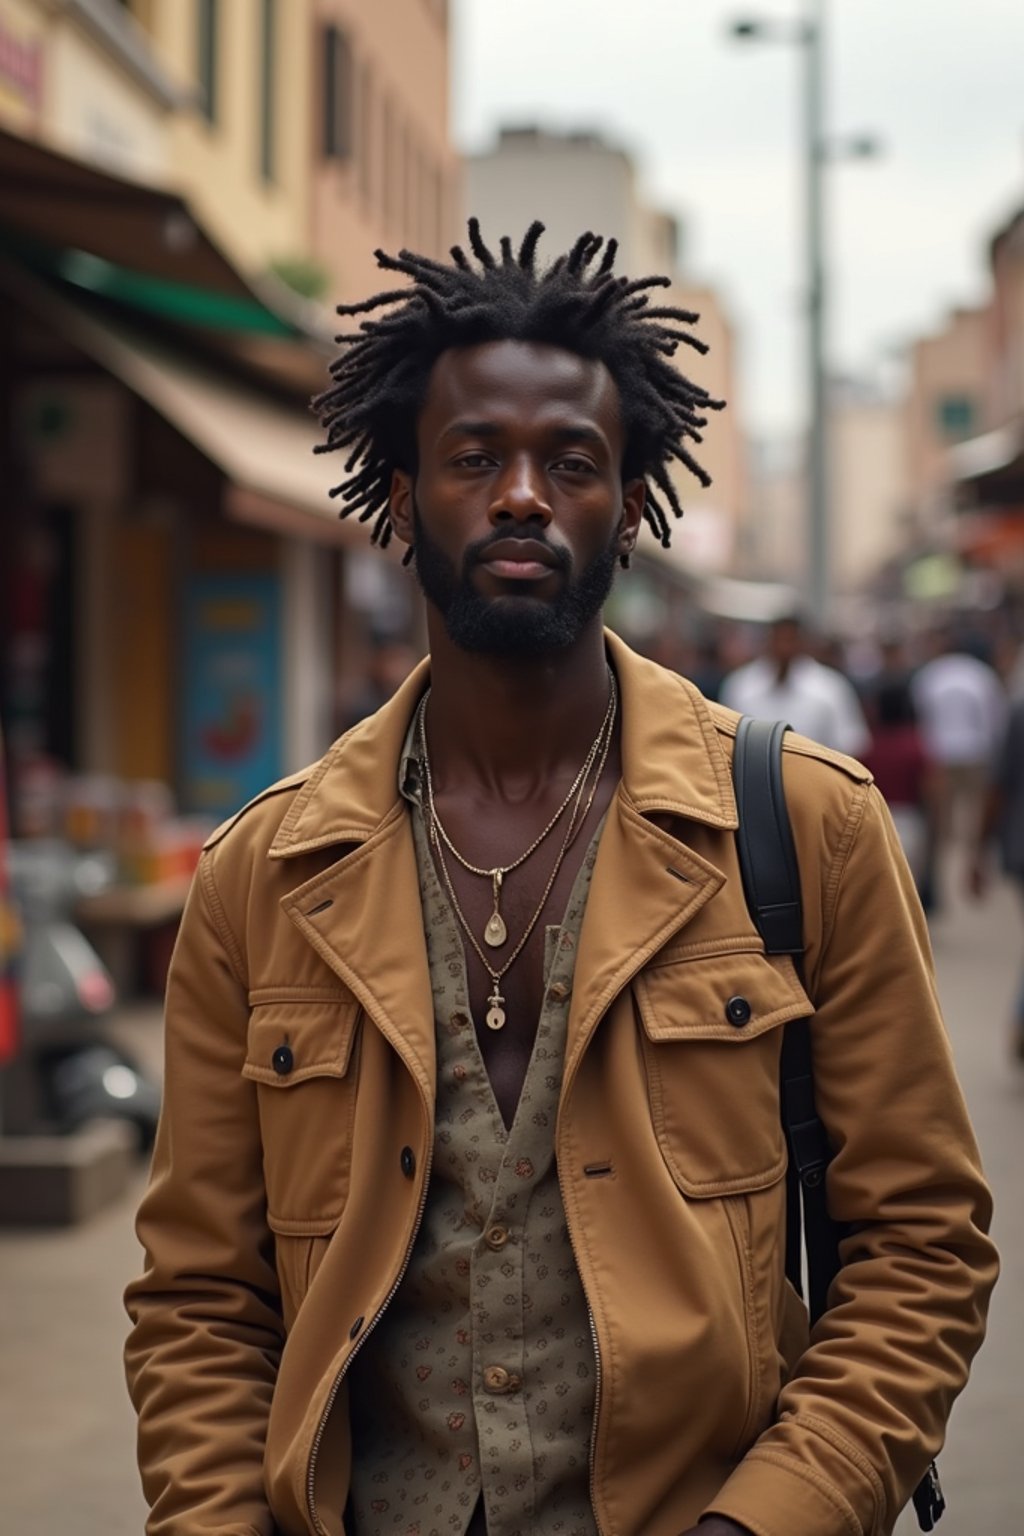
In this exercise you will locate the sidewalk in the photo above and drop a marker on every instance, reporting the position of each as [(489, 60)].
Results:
[(67, 1433)]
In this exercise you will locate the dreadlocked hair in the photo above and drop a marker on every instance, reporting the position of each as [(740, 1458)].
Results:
[(577, 303)]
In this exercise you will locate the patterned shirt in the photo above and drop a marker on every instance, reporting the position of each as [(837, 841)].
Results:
[(480, 1379)]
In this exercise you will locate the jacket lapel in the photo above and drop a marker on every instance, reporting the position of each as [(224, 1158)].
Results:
[(364, 917), (647, 884)]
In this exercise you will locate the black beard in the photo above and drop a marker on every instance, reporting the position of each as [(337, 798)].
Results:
[(515, 628)]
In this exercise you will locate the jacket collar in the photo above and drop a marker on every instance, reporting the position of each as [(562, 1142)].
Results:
[(672, 760)]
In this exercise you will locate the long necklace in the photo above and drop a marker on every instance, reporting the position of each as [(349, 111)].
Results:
[(496, 1015), (496, 930)]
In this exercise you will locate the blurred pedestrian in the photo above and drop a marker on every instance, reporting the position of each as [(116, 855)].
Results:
[(902, 771), (388, 664), (961, 705), (1002, 825), (786, 683)]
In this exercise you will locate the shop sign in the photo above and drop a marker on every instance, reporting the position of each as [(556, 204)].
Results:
[(233, 710), (21, 70)]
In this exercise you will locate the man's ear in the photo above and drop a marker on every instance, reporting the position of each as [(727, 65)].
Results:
[(401, 501), (634, 499)]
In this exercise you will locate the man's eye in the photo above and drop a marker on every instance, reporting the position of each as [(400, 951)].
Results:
[(574, 464), (473, 460)]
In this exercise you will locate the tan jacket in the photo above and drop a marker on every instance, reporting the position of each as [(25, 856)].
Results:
[(294, 1151)]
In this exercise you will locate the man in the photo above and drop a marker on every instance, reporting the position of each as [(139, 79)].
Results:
[(961, 704), (468, 1200), (1002, 824), (788, 684)]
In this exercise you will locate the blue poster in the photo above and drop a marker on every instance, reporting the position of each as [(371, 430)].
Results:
[(233, 712)]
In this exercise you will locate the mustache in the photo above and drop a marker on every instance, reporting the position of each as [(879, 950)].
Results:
[(561, 559)]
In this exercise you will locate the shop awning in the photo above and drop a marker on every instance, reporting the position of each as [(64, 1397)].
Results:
[(990, 469), (262, 444), (70, 205)]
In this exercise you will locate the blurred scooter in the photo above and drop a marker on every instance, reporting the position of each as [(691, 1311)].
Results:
[(68, 1071)]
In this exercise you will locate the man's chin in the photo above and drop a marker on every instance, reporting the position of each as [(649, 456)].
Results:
[(512, 627)]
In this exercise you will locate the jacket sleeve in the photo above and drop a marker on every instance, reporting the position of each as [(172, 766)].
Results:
[(866, 1406), (203, 1353)]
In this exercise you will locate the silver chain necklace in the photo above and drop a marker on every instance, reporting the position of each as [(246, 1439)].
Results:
[(496, 930)]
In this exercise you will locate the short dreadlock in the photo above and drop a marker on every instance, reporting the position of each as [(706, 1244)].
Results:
[(380, 378)]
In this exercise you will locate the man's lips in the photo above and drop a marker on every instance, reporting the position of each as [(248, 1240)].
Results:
[(518, 560)]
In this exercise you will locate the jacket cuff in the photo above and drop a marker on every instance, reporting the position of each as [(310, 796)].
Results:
[(771, 1495)]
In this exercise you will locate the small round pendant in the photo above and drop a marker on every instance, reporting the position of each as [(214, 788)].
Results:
[(496, 1018), (495, 933)]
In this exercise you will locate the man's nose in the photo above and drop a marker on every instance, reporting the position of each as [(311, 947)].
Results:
[(521, 495)]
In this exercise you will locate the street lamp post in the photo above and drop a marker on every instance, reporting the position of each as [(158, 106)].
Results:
[(817, 152), (818, 488)]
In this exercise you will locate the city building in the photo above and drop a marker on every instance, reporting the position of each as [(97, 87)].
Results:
[(987, 468), (949, 399), (868, 495)]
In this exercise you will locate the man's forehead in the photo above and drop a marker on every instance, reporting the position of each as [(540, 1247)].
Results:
[(505, 374)]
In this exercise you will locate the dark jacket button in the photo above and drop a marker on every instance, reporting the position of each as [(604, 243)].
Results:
[(737, 1011), (282, 1060), (408, 1161)]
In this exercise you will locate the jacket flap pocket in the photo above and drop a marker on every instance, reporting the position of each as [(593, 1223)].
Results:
[(711, 1045), (291, 1040), (731, 996)]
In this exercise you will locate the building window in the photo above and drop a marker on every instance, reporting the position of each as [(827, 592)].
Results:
[(389, 188), (956, 417), (206, 57), (267, 41), (366, 135), (337, 95)]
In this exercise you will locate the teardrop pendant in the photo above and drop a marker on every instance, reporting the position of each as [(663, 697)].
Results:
[(495, 933)]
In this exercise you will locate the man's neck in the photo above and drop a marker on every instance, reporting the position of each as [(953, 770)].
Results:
[(783, 669), (507, 725)]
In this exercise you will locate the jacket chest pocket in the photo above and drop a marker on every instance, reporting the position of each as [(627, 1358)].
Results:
[(712, 1035), (303, 1058)]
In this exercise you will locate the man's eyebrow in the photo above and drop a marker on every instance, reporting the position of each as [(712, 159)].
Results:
[(468, 428), (579, 431)]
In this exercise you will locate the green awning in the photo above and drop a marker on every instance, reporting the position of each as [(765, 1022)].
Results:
[(144, 293)]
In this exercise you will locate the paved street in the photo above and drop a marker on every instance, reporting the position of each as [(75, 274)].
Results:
[(66, 1432)]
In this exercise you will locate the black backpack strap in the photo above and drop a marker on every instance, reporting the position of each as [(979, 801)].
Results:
[(771, 884), (771, 875)]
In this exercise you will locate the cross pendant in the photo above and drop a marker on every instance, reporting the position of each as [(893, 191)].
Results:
[(496, 1012)]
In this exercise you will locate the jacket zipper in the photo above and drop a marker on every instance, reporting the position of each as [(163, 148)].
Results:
[(336, 1386)]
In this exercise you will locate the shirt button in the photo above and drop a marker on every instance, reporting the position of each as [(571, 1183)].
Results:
[(496, 1237), (408, 1161), (498, 1380), (737, 1011), (459, 1020), (282, 1060), (559, 991)]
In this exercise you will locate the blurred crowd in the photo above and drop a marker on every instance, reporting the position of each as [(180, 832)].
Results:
[(938, 718)]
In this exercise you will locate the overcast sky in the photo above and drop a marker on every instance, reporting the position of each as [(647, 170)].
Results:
[(714, 126)]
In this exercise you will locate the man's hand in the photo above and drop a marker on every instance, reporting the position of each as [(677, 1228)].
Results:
[(717, 1525)]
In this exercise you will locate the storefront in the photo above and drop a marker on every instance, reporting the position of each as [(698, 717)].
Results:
[(176, 601)]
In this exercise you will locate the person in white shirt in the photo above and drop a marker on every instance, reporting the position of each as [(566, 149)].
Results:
[(788, 684), (962, 708)]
